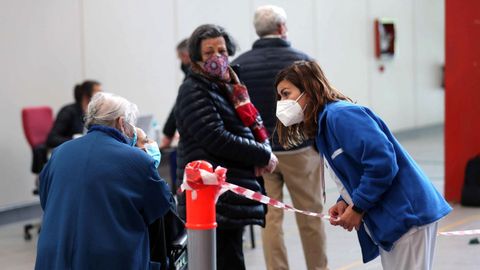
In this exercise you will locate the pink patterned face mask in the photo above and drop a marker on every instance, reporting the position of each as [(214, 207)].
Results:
[(217, 66)]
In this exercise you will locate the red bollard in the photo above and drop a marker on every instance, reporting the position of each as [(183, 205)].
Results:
[(201, 220), (201, 210)]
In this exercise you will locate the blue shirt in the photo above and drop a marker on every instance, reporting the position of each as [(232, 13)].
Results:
[(99, 195), (378, 174)]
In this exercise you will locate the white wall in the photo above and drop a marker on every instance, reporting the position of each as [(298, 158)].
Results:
[(48, 46), (130, 47), (40, 62)]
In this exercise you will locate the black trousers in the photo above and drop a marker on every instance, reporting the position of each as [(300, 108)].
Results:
[(230, 249)]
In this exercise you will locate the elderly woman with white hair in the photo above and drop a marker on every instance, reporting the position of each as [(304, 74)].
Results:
[(99, 193)]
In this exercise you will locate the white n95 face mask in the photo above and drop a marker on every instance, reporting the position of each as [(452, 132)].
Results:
[(289, 112)]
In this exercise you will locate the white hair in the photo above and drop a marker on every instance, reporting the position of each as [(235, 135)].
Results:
[(105, 108), (267, 19)]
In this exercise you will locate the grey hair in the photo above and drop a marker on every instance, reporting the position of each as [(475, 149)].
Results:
[(267, 19), (105, 108)]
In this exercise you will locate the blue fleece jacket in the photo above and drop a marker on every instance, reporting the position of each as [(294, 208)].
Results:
[(379, 175), (99, 195)]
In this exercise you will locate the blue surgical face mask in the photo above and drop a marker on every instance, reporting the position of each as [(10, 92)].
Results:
[(133, 140), (152, 150)]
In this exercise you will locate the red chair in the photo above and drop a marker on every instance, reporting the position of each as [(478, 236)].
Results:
[(37, 123)]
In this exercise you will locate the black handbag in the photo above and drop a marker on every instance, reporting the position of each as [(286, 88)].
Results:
[(168, 242), (471, 185)]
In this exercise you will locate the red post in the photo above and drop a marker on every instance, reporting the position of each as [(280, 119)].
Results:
[(462, 91), (201, 220), (201, 210), (201, 200)]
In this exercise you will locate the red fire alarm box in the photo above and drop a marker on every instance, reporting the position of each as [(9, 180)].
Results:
[(384, 38)]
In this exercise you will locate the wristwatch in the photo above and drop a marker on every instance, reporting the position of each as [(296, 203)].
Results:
[(357, 209)]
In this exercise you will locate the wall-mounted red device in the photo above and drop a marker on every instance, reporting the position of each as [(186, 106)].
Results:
[(384, 38)]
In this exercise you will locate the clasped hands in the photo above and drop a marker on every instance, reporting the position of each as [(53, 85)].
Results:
[(343, 215)]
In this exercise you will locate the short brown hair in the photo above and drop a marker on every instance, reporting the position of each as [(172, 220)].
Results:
[(309, 78), (183, 45), (207, 31)]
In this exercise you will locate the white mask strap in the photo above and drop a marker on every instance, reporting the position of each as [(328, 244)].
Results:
[(296, 100)]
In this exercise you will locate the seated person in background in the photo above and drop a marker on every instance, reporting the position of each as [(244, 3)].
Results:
[(99, 194), (69, 121)]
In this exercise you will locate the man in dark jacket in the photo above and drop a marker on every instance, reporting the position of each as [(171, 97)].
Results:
[(299, 168), (170, 126)]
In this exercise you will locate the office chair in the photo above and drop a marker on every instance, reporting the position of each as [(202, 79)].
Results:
[(37, 122)]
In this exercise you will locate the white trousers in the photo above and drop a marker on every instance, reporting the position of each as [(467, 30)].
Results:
[(413, 251)]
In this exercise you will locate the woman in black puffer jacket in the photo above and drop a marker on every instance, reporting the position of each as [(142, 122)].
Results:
[(214, 129)]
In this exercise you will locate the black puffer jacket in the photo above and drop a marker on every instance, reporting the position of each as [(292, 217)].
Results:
[(257, 68), (210, 130)]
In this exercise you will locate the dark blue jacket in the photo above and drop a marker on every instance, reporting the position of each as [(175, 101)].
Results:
[(378, 174), (258, 68), (99, 195)]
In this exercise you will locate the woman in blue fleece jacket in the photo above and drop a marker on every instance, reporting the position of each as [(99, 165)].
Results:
[(384, 195)]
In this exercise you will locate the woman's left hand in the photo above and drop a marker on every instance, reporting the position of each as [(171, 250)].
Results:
[(350, 219)]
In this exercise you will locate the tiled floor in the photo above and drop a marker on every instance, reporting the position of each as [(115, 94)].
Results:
[(342, 247), (15, 253)]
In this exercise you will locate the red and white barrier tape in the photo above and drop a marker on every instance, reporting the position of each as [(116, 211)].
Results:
[(460, 233), (269, 201), (201, 173)]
